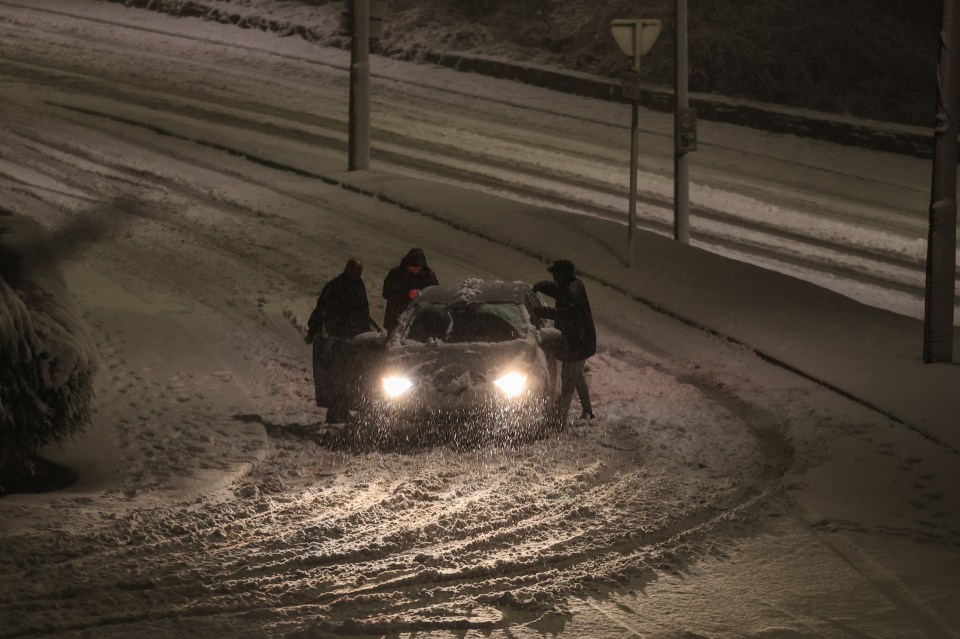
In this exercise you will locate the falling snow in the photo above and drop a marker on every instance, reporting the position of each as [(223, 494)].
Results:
[(770, 458)]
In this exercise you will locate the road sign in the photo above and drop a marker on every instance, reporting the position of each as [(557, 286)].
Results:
[(686, 130), (635, 36), (630, 85)]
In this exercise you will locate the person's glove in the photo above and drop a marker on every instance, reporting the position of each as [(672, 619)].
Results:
[(413, 292)]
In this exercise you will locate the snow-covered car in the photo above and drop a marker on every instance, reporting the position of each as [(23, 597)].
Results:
[(473, 351)]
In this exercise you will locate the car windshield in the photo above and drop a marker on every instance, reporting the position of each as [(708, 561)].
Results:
[(475, 322)]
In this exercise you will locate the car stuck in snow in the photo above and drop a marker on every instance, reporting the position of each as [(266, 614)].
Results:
[(475, 351)]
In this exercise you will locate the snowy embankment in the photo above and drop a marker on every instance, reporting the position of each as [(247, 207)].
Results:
[(47, 361)]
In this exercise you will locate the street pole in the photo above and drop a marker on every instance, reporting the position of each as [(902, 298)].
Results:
[(634, 37), (681, 174), (634, 151), (359, 126), (942, 236)]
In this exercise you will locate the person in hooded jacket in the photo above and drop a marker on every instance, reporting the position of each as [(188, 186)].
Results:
[(402, 284), (574, 319), (342, 311)]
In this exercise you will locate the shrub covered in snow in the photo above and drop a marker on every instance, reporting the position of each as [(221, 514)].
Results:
[(47, 362)]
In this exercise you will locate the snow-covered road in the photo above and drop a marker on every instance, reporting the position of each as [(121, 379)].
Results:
[(152, 148), (850, 220)]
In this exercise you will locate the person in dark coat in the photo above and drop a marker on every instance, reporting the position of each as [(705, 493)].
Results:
[(574, 319), (342, 311), (402, 284)]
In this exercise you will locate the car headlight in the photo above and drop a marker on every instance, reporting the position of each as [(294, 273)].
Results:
[(512, 384), (396, 385)]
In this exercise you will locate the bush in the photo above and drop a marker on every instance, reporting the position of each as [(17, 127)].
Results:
[(47, 365)]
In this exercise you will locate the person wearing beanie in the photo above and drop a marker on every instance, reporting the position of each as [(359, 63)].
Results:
[(574, 319), (403, 283)]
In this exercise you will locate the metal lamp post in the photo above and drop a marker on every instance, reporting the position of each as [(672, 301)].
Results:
[(684, 131), (634, 37), (942, 233), (362, 21), (358, 154)]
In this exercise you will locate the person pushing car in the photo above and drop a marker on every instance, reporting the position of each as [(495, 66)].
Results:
[(574, 319), (402, 284), (342, 311)]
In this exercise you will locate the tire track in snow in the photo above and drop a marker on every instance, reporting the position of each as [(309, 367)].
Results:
[(321, 565), (886, 582)]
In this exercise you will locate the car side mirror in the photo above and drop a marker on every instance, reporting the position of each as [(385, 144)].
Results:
[(370, 339), (549, 336)]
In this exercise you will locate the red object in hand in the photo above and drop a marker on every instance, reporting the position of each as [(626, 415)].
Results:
[(413, 292)]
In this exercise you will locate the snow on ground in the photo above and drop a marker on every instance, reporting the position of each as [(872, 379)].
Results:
[(719, 494)]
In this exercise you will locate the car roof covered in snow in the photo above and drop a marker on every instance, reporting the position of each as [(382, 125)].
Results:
[(477, 290)]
